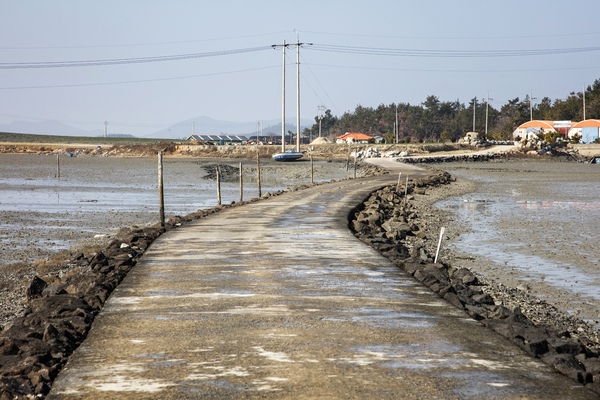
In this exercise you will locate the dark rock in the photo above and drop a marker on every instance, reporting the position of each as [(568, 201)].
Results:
[(561, 346), (517, 317), (411, 266), (538, 347), (54, 290), (567, 365), (477, 313), (36, 288), (483, 298), (500, 312), (592, 365), (55, 305), (453, 299), (50, 333)]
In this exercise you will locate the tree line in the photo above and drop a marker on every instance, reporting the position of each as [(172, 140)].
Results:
[(434, 120)]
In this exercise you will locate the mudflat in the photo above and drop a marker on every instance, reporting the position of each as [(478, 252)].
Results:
[(527, 224)]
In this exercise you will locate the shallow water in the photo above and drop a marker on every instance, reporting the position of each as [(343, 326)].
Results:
[(40, 213), (535, 221)]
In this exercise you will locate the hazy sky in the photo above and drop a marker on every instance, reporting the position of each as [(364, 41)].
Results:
[(141, 98)]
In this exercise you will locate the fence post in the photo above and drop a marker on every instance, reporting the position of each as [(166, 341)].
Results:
[(218, 185), (437, 253), (312, 170), (57, 166), (241, 184), (406, 190), (161, 197), (258, 171)]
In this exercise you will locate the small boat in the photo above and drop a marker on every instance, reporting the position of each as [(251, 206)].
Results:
[(289, 155)]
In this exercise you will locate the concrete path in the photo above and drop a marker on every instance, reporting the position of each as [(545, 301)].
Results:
[(278, 299)]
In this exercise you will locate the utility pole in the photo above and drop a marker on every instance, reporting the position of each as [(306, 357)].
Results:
[(105, 128), (321, 108), (283, 101), (487, 104), (474, 103), (396, 126), (297, 44), (531, 106), (583, 94), (297, 91)]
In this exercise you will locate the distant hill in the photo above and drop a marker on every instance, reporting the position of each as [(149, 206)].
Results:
[(205, 126), (179, 130), (49, 127)]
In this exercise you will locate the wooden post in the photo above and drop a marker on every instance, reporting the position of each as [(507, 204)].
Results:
[(258, 172), (355, 165), (218, 185), (161, 197), (57, 166), (312, 170), (241, 185), (437, 252), (406, 190)]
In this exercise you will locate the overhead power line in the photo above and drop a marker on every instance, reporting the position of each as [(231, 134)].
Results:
[(447, 53), (456, 70), (410, 37), (137, 80), (136, 44), (119, 61)]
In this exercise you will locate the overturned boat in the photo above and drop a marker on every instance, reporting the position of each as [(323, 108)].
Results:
[(289, 155)]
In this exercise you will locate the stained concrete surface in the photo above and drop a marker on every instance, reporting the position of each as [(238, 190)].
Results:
[(278, 299)]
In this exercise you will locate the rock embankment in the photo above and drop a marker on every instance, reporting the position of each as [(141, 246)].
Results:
[(391, 224), (569, 154), (60, 309), (451, 158)]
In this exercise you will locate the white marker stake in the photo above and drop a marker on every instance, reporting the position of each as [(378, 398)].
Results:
[(398, 185), (439, 245)]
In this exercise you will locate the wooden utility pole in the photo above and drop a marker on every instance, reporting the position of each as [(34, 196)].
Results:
[(241, 184), (218, 185), (161, 197), (312, 170), (258, 171)]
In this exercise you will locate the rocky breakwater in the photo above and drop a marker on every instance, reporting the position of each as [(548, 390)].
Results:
[(407, 235), (59, 314), (60, 309), (451, 158)]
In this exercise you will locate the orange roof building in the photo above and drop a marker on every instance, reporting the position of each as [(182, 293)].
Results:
[(537, 127), (350, 137), (588, 130)]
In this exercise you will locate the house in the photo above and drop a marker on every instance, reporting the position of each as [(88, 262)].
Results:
[(218, 139), (354, 137), (537, 127), (588, 130)]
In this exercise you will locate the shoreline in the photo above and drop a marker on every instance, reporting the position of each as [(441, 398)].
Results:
[(535, 301)]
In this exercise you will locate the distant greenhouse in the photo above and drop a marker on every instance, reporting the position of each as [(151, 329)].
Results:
[(219, 139)]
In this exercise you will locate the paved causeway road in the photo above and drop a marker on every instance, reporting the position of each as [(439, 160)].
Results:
[(277, 299)]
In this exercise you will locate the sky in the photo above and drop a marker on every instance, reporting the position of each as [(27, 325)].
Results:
[(356, 53)]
